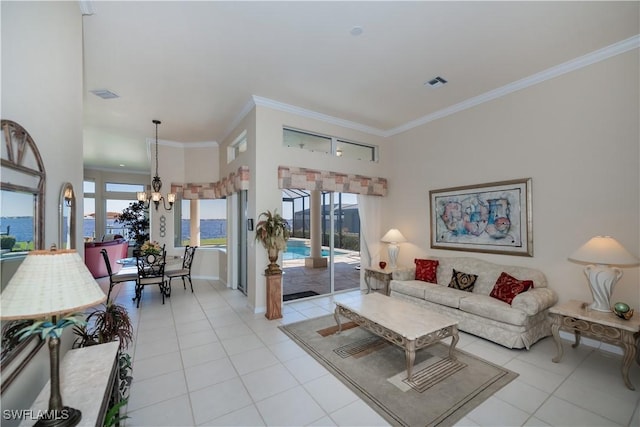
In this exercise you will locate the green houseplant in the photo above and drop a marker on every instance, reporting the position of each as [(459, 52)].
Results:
[(136, 220), (273, 232), (109, 323)]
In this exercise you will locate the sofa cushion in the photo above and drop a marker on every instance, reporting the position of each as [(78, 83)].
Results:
[(462, 281), (426, 270), (492, 308), (507, 287), (444, 295), (414, 288)]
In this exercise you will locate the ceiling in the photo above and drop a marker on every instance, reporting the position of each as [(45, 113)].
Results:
[(196, 65)]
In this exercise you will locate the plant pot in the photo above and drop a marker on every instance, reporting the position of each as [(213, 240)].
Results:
[(273, 267)]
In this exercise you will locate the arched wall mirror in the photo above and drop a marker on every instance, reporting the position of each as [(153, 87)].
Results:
[(67, 217), (21, 230), (23, 187)]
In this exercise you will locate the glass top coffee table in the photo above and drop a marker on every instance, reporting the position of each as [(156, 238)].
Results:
[(402, 323)]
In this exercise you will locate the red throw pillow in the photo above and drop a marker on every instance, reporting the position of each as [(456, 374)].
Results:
[(426, 270), (507, 287)]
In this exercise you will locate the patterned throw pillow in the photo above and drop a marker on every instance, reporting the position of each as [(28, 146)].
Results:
[(507, 287), (426, 270), (462, 281)]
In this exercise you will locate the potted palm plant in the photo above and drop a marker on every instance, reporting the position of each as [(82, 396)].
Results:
[(273, 232)]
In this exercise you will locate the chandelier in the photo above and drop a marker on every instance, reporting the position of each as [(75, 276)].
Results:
[(156, 184)]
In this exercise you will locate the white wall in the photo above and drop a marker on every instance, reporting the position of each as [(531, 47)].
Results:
[(42, 91), (576, 136)]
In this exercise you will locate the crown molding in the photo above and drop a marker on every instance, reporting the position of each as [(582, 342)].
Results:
[(550, 73), (287, 108), (246, 109)]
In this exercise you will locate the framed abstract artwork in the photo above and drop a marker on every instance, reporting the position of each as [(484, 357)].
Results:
[(493, 218)]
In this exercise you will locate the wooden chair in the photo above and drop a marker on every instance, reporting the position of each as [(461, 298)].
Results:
[(151, 272), (114, 279), (185, 271)]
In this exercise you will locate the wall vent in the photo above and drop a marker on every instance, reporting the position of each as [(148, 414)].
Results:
[(104, 94)]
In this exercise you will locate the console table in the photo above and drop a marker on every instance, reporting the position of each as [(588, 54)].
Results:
[(88, 380), (577, 317), (383, 275)]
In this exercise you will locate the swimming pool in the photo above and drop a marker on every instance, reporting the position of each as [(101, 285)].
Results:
[(296, 250)]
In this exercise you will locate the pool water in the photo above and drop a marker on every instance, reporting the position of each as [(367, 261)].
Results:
[(301, 252)]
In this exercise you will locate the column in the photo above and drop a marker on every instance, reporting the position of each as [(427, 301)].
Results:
[(315, 260)]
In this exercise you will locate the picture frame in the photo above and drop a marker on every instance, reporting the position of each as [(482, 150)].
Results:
[(494, 217)]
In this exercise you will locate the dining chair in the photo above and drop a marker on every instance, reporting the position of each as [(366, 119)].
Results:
[(151, 272), (185, 270), (114, 279)]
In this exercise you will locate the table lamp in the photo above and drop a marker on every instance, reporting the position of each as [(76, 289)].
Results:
[(51, 284), (393, 237), (603, 253)]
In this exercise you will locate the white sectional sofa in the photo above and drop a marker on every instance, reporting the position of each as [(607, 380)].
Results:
[(516, 325)]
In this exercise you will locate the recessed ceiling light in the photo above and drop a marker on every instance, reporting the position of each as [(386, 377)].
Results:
[(436, 82), (105, 93), (356, 31), (121, 165)]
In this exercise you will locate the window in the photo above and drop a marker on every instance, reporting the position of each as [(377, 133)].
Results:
[(123, 188), (89, 217), (306, 141), (238, 146), (328, 145), (115, 208), (352, 150), (208, 220)]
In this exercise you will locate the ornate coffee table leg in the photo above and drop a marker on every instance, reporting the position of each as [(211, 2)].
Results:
[(336, 316), (410, 352), (555, 328), (454, 341)]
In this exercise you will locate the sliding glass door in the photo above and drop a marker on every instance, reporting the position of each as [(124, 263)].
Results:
[(323, 255)]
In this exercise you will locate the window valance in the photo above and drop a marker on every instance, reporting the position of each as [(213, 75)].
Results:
[(310, 179), (234, 182)]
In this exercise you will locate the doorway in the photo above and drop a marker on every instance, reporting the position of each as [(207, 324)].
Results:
[(323, 254)]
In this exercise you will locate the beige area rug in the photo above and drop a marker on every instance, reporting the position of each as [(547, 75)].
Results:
[(441, 393)]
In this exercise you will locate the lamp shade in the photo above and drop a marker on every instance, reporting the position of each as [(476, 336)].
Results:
[(603, 250), (49, 283), (393, 236)]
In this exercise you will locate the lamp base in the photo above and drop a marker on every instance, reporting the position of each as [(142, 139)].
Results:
[(67, 417), (393, 255), (602, 279)]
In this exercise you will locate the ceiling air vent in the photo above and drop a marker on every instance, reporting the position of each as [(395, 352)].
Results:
[(104, 94), (436, 82)]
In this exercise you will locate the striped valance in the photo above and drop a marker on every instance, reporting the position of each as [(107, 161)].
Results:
[(233, 183), (310, 179)]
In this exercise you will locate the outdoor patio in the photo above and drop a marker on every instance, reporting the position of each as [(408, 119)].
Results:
[(297, 278)]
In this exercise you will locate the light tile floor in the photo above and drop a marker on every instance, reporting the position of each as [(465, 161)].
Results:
[(204, 358)]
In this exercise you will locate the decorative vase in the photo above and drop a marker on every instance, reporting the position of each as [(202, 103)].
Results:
[(382, 265), (273, 267)]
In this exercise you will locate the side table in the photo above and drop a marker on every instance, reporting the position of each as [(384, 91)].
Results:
[(575, 316), (88, 380), (383, 275)]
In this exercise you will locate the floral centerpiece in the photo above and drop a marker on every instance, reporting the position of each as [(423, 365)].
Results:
[(273, 232), (151, 248)]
